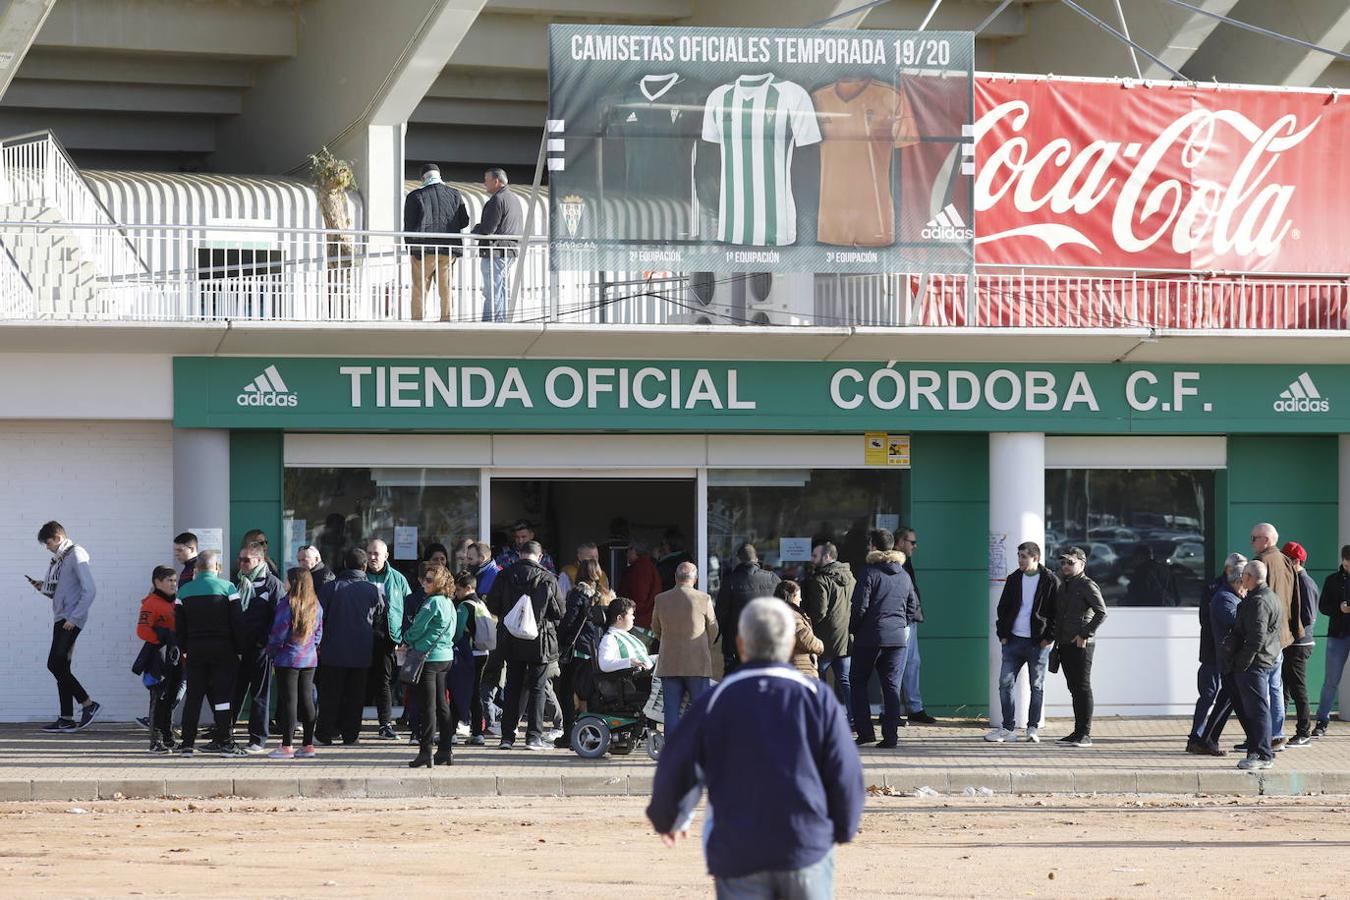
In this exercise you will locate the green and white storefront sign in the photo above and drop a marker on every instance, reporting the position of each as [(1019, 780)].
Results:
[(499, 395)]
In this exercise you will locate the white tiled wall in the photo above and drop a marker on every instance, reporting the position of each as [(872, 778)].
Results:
[(111, 485)]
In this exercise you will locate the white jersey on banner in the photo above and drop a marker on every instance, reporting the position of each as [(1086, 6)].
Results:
[(758, 121)]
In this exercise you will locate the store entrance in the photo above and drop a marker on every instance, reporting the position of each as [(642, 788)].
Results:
[(608, 512)]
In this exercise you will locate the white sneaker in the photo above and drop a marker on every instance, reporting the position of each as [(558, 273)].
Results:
[(1000, 735), (255, 749), (1033, 735), (553, 734)]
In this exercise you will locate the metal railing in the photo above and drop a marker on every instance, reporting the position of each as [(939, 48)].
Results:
[(242, 272)]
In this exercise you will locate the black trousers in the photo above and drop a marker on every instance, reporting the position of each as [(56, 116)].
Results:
[(431, 695), (565, 689), (526, 682), (211, 677), (295, 687), (253, 684), (342, 696), (1077, 663), (1294, 673), (162, 697), (384, 673), (68, 687), (1226, 705)]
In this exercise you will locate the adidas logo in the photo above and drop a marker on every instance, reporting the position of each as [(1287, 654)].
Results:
[(948, 226), (632, 117), (268, 389), (1302, 396)]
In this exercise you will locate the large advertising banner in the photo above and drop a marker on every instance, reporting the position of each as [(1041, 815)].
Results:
[(749, 150), (1126, 175)]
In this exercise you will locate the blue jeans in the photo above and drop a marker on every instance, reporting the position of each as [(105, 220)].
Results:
[(1276, 702), (909, 681), (1254, 694), (889, 664), (1207, 688), (495, 270), (1019, 652), (815, 882), (842, 666), (674, 688), (1338, 650)]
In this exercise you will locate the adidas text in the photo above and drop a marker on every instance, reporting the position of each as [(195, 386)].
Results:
[(947, 233), (1302, 396), (267, 400)]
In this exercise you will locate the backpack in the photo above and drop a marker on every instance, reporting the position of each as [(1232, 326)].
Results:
[(520, 621), (484, 635)]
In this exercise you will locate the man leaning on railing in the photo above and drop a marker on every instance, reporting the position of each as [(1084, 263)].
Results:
[(434, 208), (503, 214)]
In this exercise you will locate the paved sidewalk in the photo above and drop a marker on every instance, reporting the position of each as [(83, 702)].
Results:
[(1144, 755)]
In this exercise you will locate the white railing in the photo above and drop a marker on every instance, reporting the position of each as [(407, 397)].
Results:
[(39, 181), (218, 272)]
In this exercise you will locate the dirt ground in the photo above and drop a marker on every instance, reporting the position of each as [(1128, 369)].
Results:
[(601, 848)]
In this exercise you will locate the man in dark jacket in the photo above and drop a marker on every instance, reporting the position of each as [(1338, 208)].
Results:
[(1025, 627), (1209, 704), (745, 582), (528, 660), (259, 591), (434, 208), (827, 596), (1256, 642), (210, 631), (669, 555), (772, 749), (884, 603), (1079, 612), (350, 604), (1335, 605), (1294, 668), (504, 217), (185, 554), (1223, 607)]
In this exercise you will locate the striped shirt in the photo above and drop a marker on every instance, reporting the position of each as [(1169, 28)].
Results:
[(758, 121)]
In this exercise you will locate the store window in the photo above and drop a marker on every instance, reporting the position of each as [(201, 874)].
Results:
[(784, 511), (335, 509), (1148, 533)]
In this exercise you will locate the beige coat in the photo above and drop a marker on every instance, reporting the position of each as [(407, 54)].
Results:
[(1282, 577), (683, 621)]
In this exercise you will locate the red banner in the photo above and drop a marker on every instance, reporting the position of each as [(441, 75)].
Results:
[(1076, 173)]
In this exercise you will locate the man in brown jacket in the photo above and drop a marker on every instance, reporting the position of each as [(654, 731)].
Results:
[(1281, 578), (683, 621)]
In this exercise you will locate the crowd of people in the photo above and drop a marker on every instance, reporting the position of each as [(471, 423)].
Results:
[(481, 641)]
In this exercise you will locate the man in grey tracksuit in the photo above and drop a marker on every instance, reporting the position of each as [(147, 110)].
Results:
[(70, 585)]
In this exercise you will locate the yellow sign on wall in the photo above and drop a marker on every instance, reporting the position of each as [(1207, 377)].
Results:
[(882, 449)]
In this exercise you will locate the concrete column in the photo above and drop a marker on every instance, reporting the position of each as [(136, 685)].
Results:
[(378, 153), (1344, 531), (1016, 514), (201, 480)]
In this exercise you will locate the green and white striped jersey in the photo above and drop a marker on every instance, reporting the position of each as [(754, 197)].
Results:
[(758, 121)]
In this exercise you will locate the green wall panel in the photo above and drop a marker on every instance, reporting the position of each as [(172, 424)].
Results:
[(256, 491), (1291, 482), (950, 512)]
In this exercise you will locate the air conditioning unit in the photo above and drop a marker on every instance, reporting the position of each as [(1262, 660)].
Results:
[(759, 298)]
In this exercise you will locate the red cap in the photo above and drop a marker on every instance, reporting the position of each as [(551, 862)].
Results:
[(1295, 552)]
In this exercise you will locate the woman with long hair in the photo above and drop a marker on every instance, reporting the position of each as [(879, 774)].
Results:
[(434, 632), (293, 647), (579, 632)]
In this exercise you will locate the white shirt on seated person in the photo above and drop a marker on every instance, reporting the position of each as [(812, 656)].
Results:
[(621, 650)]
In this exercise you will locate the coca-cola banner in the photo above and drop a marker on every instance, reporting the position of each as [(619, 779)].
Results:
[(1078, 173)]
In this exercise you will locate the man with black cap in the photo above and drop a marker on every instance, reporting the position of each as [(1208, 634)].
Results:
[(1079, 612), (522, 532), (434, 208)]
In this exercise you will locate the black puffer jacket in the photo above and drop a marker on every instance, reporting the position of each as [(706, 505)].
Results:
[(827, 597), (527, 577), (884, 601), (746, 582), (437, 209)]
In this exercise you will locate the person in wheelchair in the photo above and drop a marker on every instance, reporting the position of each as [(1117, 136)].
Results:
[(624, 677)]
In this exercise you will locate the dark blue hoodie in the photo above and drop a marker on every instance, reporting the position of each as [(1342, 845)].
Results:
[(773, 749), (350, 604)]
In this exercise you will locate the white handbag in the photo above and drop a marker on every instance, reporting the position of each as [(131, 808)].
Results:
[(520, 621)]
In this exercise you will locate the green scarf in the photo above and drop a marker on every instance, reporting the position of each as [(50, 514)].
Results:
[(246, 580)]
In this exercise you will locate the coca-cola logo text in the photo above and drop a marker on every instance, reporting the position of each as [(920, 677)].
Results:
[(1243, 215)]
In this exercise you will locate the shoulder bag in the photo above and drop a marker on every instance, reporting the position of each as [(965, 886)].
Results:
[(413, 660)]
